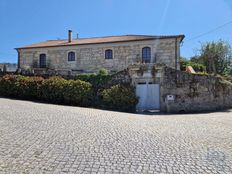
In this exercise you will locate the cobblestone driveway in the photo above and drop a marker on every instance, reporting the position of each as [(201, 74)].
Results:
[(44, 138)]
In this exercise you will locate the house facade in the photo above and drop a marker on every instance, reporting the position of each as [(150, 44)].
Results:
[(87, 55), (140, 55), (150, 63)]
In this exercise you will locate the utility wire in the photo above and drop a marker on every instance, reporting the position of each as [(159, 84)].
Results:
[(208, 32)]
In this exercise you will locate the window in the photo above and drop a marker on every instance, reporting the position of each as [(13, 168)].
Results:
[(109, 54), (146, 54), (42, 60), (71, 56)]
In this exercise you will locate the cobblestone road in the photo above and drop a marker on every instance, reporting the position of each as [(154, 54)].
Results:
[(44, 138)]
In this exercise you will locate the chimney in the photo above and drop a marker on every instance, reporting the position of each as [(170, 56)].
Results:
[(69, 35)]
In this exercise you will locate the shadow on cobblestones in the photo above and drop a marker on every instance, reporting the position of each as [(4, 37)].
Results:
[(157, 113)]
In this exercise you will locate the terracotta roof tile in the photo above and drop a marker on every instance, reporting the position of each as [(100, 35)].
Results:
[(98, 40)]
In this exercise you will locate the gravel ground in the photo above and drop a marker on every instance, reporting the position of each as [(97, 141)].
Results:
[(45, 138)]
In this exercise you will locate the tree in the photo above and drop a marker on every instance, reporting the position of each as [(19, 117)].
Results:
[(216, 56), (184, 63)]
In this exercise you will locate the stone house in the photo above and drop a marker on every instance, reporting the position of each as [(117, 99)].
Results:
[(149, 63), (138, 55), (87, 55)]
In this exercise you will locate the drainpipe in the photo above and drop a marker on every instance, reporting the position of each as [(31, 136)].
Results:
[(18, 59), (176, 53)]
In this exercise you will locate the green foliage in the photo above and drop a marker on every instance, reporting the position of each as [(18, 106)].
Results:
[(97, 80), (198, 67), (102, 71), (71, 92), (55, 89), (183, 64), (120, 98), (52, 89), (216, 57), (8, 85), (30, 87), (20, 86), (78, 93)]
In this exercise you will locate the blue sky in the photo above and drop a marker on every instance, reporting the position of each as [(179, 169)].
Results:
[(24, 22)]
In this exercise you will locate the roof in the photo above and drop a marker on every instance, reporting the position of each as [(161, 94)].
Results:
[(98, 40)]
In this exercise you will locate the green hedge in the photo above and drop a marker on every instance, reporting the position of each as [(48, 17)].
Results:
[(20, 86), (54, 89), (98, 81), (120, 98), (71, 92)]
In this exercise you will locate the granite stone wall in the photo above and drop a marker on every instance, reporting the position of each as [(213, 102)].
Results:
[(90, 58), (193, 92)]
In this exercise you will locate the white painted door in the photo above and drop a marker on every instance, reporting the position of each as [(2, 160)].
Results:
[(149, 96)]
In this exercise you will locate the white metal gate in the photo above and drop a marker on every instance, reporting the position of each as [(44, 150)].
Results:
[(149, 96)]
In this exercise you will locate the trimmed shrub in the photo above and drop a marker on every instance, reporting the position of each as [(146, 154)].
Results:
[(78, 93), (73, 92), (119, 98), (30, 87), (8, 86), (20, 86), (97, 80), (52, 90)]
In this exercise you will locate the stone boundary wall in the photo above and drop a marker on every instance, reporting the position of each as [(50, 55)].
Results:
[(194, 92)]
